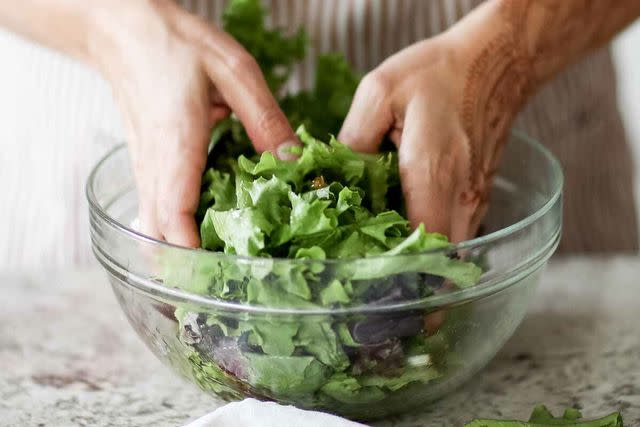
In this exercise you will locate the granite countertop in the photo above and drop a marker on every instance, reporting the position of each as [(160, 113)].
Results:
[(69, 358)]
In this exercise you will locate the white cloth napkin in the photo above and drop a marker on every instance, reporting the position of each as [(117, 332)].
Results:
[(254, 413)]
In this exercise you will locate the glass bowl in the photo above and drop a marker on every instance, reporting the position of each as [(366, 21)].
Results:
[(403, 337)]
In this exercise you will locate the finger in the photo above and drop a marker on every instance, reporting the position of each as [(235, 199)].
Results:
[(182, 163), (145, 184), (427, 168), (178, 195), (147, 219), (217, 113), (370, 116), (183, 183), (238, 78), (241, 84), (476, 220), (215, 97)]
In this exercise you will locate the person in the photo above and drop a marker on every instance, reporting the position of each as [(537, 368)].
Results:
[(447, 79)]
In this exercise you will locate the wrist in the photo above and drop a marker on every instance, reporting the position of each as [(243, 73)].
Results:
[(113, 25), (497, 78), (492, 56)]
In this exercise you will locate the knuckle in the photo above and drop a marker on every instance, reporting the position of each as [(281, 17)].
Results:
[(459, 151), (446, 169), (241, 62), (438, 167), (270, 122), (447, 163), (376, 84), (442, 168)]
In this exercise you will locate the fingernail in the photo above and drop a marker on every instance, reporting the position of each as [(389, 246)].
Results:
[(284, 150)]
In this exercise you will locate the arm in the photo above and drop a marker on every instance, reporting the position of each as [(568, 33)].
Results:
[(524, 43), (174, 77), (548, 34), (556, 33), (448, 102), (63, 25)]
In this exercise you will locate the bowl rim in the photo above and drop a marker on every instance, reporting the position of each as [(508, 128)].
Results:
[(432, 302), (155, 288)]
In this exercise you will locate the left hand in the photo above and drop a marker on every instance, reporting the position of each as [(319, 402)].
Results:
[(447, 103)]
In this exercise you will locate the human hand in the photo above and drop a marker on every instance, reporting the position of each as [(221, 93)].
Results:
[(174, 77), (447, 103)]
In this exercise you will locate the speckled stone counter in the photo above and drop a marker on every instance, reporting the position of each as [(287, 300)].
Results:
[(69, 358)]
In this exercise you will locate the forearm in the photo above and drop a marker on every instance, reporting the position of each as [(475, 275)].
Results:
[(506, 49), (543, 36), (554, 33), (74, 27), (63, 25)]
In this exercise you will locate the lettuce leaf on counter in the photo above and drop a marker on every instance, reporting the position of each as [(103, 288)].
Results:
[(542, 417)]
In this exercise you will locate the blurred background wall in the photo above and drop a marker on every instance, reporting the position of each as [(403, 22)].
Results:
[(626, 50)]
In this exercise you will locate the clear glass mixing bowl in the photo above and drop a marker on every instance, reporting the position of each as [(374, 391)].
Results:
[(415, 338)]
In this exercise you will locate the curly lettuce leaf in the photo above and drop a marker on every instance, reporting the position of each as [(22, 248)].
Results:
[(283, 209), (323, 109), (217, 192), (242, 231), (542, 417), (274, 52)]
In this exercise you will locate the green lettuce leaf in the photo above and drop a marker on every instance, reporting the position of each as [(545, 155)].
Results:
[(275, 53), (334, 293), (217, 192), (319, 339), (323, 109), (243, 231), (542, 417), (311, 217), (211, 377), (421, 374), (347, 389), (275, 338), (286, 376)]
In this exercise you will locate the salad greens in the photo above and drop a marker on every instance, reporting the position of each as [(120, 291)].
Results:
[(321, 206), (293, 218), (542, 417)]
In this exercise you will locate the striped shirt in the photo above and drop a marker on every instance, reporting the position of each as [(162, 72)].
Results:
[(58, 118)]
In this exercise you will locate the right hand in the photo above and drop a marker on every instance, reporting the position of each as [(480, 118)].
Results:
[(174, 76)]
